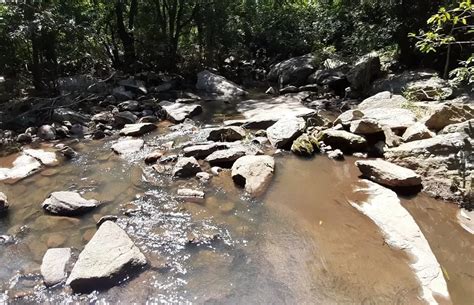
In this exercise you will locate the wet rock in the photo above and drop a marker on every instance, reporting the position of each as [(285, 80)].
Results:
[(135, 130), (128, 146), (4, 205), (98, 134), (53, 267), (365, 127), (169, 159), (124, 117), (417, 131), (68, 152), (216, 170), (68, 204), (365, 70), (24, 138), (260, 140), (105, 218), (382, 100), (293, 71), (162, 169), (343, 140), (203, 177), (285, 131), (253, 173), (305, 145), (66, 114), (227, 134), (46, 132), (178, 113), (105, 117), (45, 157), (186, 167), (388, 174), (213, 83), (336, 154), (289, 89), (108, 258), (153, 157), (449, 114), (226, 157), (129, 106), (201, 151), (23, 166), (191, 195)]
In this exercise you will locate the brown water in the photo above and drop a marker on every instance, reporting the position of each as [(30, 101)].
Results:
[(302, 243)]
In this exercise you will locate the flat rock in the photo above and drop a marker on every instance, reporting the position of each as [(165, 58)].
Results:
[(135, 130), (108, 258), (343, 140), (388, 174), (417, 131), (177, 112), (285, 131), (191, 195), (201, 151), (395, 118), (45, 157), (253, 173), (186, 167), (382, 100), (401, 231), (227, 134), (226, 157), (23, 167), (68, 204), (128, 146), (53, 267)]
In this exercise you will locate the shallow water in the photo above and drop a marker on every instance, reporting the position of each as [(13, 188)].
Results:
[(302, 242)]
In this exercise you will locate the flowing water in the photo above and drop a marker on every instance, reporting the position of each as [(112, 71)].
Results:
[(301, 243)]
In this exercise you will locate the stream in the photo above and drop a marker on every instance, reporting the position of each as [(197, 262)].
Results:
[(303, 242)]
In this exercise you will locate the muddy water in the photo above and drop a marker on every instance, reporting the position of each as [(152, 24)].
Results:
[(300, 243)]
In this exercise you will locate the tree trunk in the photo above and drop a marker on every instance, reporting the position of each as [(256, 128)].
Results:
[(127, 39)]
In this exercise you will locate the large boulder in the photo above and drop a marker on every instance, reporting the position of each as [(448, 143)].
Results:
[(253, 173), (398, 83), (449, 114), (343, 140), (417, 131), (135, 130), (383, 99), (285, 131), (68, 204), (186, 167), (4, 205), (226, 134), (395, 118), (213, 83), (293, 71), (109, 258), (365, 70), (128, 146), (388, 174), (178, 112), (53, 266)]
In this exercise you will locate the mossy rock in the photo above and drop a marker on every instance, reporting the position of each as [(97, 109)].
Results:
[(305, 145)]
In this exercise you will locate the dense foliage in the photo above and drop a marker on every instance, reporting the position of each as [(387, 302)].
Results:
[(42, 40)]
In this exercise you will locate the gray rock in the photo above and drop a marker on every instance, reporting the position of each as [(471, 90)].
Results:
[(105, 117), (177, 112), (227, 134), (186, 167), (24, 138), (343, 140), (53, 267), (203, 176), (121, 94), (253, 173), (431, 89), (201, 151), (135, 130), (44, 157), (397, 83), (347, 117), (213, 83), (109, 258), (68, 204), (226, 157), (336, 154), (4, 205), (289, 89), (128, 146), (366, 69), (65, 114), (365, 127), (382, 100), (129, 106), (416, 132), (46, 132), (191, 195), (293, 71), (395, 118), (134, 85), (124, 117), (285, 131), (466, 127), (388, 174), (449, 114)]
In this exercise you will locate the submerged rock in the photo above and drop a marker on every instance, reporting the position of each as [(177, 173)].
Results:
[(227, 134), (135, 130), (253, 173), (388, 174), (68, 204), (53, 267), (191, 195), (108, 258), (128, 146), (285, 131), (4, 205), (213, 83), (23, 167), (186, 167)]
